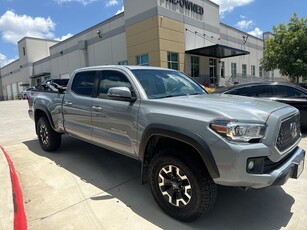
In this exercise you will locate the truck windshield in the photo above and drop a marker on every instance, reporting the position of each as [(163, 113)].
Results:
[(166, 83)]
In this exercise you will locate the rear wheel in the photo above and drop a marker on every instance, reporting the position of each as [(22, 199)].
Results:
[(48, 138), (181, 188)]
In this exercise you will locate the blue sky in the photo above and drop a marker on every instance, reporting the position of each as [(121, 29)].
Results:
[(60, 19)]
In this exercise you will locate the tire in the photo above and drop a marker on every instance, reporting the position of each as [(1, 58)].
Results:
[(48, 138), (182, 189)]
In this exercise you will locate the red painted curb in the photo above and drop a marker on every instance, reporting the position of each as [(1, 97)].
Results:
[(20, 221)]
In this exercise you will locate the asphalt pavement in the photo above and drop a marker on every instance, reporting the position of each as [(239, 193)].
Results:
[(82, 186)]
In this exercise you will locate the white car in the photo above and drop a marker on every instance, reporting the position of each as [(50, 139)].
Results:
[(24, 94)]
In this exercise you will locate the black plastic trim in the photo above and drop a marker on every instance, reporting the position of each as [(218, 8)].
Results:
[(46, 111), (185, 136), (288, 172)]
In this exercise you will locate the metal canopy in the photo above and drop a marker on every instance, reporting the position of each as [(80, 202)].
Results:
[(40, 75), (25, 84), (218, 51)]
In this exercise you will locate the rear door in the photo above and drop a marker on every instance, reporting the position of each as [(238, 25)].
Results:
[(114, 121), (77, 105)]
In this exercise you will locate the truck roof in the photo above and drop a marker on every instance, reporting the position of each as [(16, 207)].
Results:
[(130, 67)]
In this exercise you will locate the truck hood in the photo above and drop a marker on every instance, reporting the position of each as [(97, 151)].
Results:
[(222, 106)]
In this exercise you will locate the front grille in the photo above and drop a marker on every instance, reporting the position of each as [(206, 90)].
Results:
[(289, 133)]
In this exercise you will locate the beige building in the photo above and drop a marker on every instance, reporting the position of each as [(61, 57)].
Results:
[(179, 34)]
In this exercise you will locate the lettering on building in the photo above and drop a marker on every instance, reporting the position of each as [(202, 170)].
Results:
[(188, 5)]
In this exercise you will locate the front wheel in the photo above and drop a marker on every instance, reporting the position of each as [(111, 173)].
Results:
[(183, 191), (48, 138)]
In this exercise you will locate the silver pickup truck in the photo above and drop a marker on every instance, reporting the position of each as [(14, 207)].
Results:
[(187, 140)]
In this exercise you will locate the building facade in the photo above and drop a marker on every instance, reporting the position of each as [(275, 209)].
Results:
[(180, 34)]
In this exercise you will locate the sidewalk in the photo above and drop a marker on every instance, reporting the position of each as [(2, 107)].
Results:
[(12, 215), (6, 197)]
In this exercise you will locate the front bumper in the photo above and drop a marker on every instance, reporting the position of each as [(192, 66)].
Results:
[(30, 112), (292, 169), (232, 160)]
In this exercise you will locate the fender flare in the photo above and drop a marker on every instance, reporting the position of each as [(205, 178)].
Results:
[(46, 112), (183, 135)]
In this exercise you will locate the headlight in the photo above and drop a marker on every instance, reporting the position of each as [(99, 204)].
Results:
[(240, 132)]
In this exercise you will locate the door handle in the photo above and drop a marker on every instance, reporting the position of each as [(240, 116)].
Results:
[(67, 103), (96, 108)]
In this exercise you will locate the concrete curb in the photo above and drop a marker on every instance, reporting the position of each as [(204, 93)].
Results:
[(12, 214)]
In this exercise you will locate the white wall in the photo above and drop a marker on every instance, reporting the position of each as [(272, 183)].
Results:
[(107, 49), (135, 7), (234, 38)]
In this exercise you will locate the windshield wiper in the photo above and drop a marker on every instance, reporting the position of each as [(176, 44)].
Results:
[(179, 95), (196, 93), (174, 95)]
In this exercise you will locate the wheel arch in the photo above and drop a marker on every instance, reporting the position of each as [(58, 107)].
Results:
[(42, 111), (153, 135)]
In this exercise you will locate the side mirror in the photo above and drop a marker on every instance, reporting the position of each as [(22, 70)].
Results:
[(120, 93)]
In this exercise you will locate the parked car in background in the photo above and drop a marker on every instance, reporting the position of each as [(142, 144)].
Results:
[(283, 92), (303, 84), (25, 94)]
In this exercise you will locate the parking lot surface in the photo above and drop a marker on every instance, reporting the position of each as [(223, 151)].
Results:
[(82, 186)]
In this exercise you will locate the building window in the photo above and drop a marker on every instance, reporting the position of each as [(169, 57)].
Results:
[(272, 74), (244, 70), (194, 66), (38, 81), (260, 71), (223, 69), (24, 51), (123, 62), (253, 70), (142, 59), (172, 60), (233, 69)]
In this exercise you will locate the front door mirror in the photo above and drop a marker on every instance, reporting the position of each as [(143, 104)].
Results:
[(121, 93)]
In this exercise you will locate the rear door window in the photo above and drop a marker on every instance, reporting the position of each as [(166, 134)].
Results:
[(83, 83), (283, 91)]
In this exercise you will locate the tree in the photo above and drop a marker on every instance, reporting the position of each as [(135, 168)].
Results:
[(287, 50)]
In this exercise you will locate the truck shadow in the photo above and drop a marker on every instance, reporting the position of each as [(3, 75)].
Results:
[(119, 178)]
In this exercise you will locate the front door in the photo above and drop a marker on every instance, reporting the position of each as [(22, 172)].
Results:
[(114, 122)]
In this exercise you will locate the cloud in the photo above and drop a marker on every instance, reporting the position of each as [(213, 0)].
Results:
[(229, 5), (110, 3), (83, 2), (256, 32), (4, 60), (120, 10), (14, 27), (64, 37), (244, 24)]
